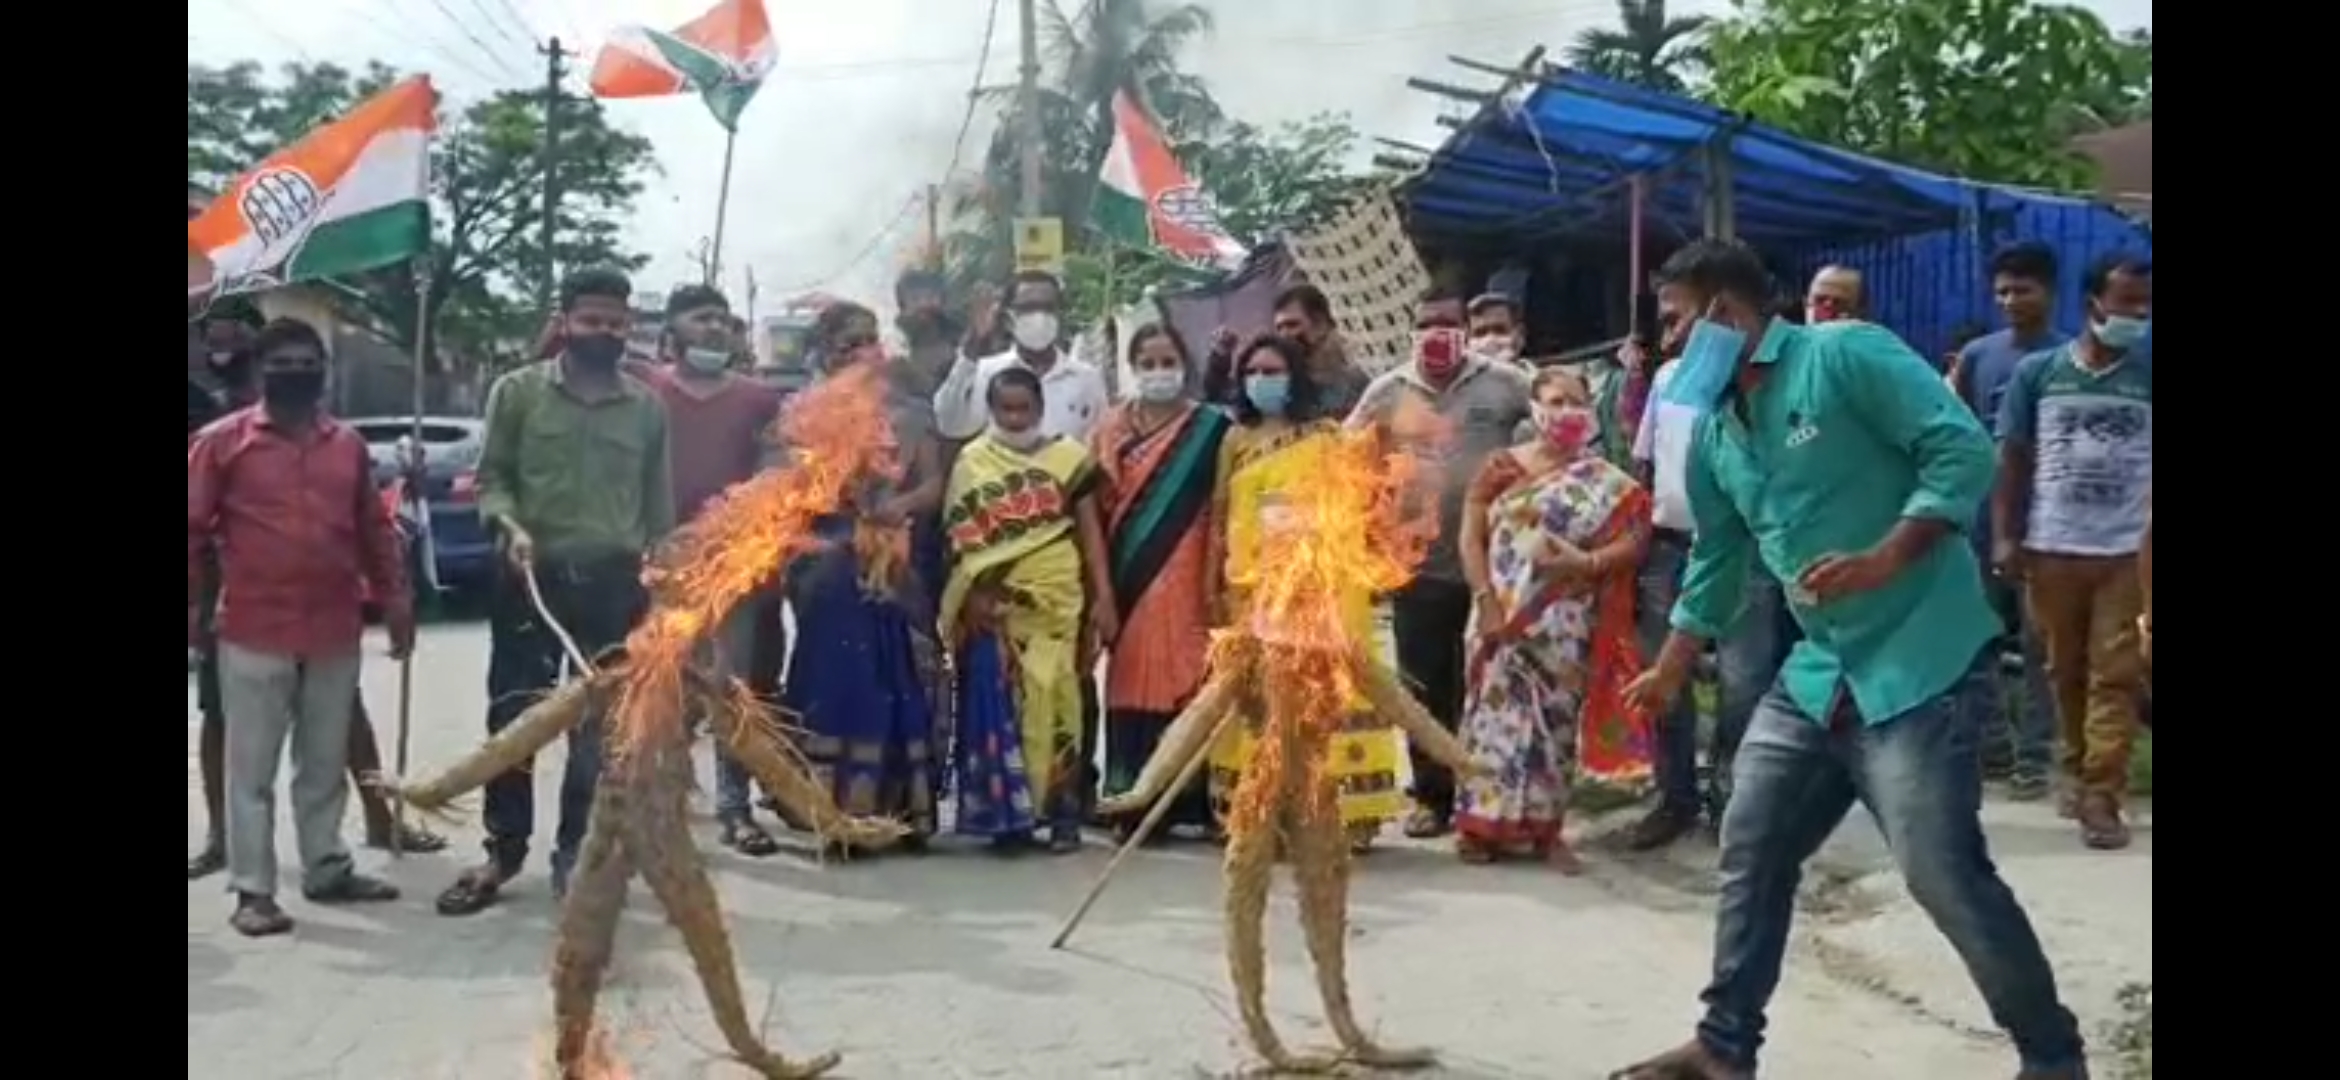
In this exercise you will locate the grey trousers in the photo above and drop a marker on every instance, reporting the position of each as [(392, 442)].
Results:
[(268, 698)]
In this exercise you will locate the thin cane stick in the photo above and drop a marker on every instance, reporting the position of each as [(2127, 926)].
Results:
[(568, 644), (405, 726), (1154, 816)]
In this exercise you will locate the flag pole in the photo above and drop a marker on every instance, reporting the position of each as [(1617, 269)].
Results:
[(422, 334), (722, 206)]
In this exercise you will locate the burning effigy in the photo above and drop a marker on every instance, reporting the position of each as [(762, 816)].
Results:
[(1292, 674), (650, 692)]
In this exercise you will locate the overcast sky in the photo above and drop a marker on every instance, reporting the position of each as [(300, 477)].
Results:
[(869, 95)]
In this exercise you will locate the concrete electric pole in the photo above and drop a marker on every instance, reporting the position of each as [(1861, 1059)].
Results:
[(1029, 131), (555, 66)]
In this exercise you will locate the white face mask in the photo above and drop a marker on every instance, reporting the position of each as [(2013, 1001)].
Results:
[(1035, 330), (706, 361), (1495, 350), (1015, 440), (1160, 387)]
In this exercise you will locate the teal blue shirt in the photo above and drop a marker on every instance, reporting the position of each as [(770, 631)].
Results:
[(1842, 432)]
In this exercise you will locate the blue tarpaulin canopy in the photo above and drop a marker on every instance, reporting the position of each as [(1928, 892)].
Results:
[(1558, 164)]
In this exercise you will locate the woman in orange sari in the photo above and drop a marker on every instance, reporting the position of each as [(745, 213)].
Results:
[(1550, 539), (1159, 452)]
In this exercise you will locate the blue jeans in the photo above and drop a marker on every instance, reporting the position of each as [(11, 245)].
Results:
[(1919, 775), (1746, 662), (598, 603), (733, 652)]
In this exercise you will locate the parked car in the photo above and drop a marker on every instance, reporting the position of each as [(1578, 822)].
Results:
[(463, 551)]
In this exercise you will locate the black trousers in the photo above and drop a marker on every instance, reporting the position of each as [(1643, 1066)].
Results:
[(1430, 619), (597, 602)]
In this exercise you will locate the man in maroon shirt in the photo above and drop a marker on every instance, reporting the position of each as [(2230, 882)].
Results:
[(716, 423), (225, 332), (285, 496)]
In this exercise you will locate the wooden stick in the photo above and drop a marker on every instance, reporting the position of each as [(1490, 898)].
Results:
[(1146, 825)]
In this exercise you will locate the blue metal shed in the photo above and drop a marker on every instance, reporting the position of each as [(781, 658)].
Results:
[(1564, 160)]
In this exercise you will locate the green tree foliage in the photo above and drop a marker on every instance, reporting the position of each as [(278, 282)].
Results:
[(1988, 89), (488, 184), (1648, 47)]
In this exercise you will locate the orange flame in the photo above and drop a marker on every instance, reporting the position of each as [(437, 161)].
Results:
[(836, 432), (1358, 525)]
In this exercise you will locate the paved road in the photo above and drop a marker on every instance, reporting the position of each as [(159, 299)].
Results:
[(937, 968)]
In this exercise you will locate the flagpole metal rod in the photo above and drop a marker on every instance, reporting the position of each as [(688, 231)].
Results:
[(414, 448), (722, 209)]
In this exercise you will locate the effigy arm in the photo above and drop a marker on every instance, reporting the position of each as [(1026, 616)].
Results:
[(1398, 708), (552, 716)]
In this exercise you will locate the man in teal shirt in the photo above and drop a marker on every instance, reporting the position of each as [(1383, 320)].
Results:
[(1836, 455)]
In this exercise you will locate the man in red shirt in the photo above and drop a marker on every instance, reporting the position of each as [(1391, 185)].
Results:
[(285, 496), (716, 425)]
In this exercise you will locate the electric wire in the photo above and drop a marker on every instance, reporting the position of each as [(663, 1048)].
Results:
[(974, 92)]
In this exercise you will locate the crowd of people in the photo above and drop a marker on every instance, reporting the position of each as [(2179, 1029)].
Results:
[(1807, 500)]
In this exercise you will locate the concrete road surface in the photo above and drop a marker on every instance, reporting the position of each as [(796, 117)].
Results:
[(937, 968)]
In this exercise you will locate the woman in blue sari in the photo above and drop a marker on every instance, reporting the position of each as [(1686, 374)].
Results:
[(866, 664)]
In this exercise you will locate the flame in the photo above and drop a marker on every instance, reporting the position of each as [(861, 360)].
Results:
[(836, 432), (1360, 524)]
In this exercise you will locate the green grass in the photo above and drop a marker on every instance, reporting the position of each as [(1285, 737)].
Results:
[(2141, 766)]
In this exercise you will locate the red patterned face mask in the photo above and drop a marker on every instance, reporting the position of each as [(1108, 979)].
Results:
[(1439, 351), (1566, 427)]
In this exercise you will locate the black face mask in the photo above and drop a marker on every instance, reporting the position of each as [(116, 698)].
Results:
[(292, 389), (600, 352)]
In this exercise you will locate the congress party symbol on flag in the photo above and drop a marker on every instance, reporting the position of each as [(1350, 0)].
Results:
[(1146, 199), (723, 55), (349, 196)]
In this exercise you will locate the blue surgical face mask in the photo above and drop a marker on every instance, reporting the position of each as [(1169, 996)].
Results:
[(1710, 358), (1270, 394), (2121, 333)]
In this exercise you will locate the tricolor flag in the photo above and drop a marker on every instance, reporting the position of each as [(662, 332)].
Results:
[(1145, 199), (350, 196), (723, 55)]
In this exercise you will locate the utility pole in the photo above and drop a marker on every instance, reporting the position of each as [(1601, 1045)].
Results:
[(1029, 131), (555, 66), (934, 251)]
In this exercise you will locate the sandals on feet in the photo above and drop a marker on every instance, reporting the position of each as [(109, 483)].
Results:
[(749, 839), (1427, 824), (475, 891), (352, 889), (258, 916), (409, 840), (204, 863)]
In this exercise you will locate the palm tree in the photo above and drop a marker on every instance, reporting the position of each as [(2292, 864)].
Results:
[(1647, 48), (1088, 56)]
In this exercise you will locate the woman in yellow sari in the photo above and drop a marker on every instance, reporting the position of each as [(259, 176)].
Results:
[(1280, 444), (1027, 560)]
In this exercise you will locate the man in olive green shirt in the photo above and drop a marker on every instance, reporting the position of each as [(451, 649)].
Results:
[(1837, 457), (573, 478)]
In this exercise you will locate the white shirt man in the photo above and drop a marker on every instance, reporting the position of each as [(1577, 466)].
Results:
[(1073, 392), (1663, 443)]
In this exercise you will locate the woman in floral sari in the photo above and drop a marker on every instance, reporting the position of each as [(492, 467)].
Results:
[(1027, 559), (1160, 455), (1280, 446), (1551, 536), (864, 661)]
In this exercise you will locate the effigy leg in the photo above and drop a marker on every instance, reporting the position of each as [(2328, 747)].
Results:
[(588, 931), (1250, 867), (670, 864), (1320, 867)]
